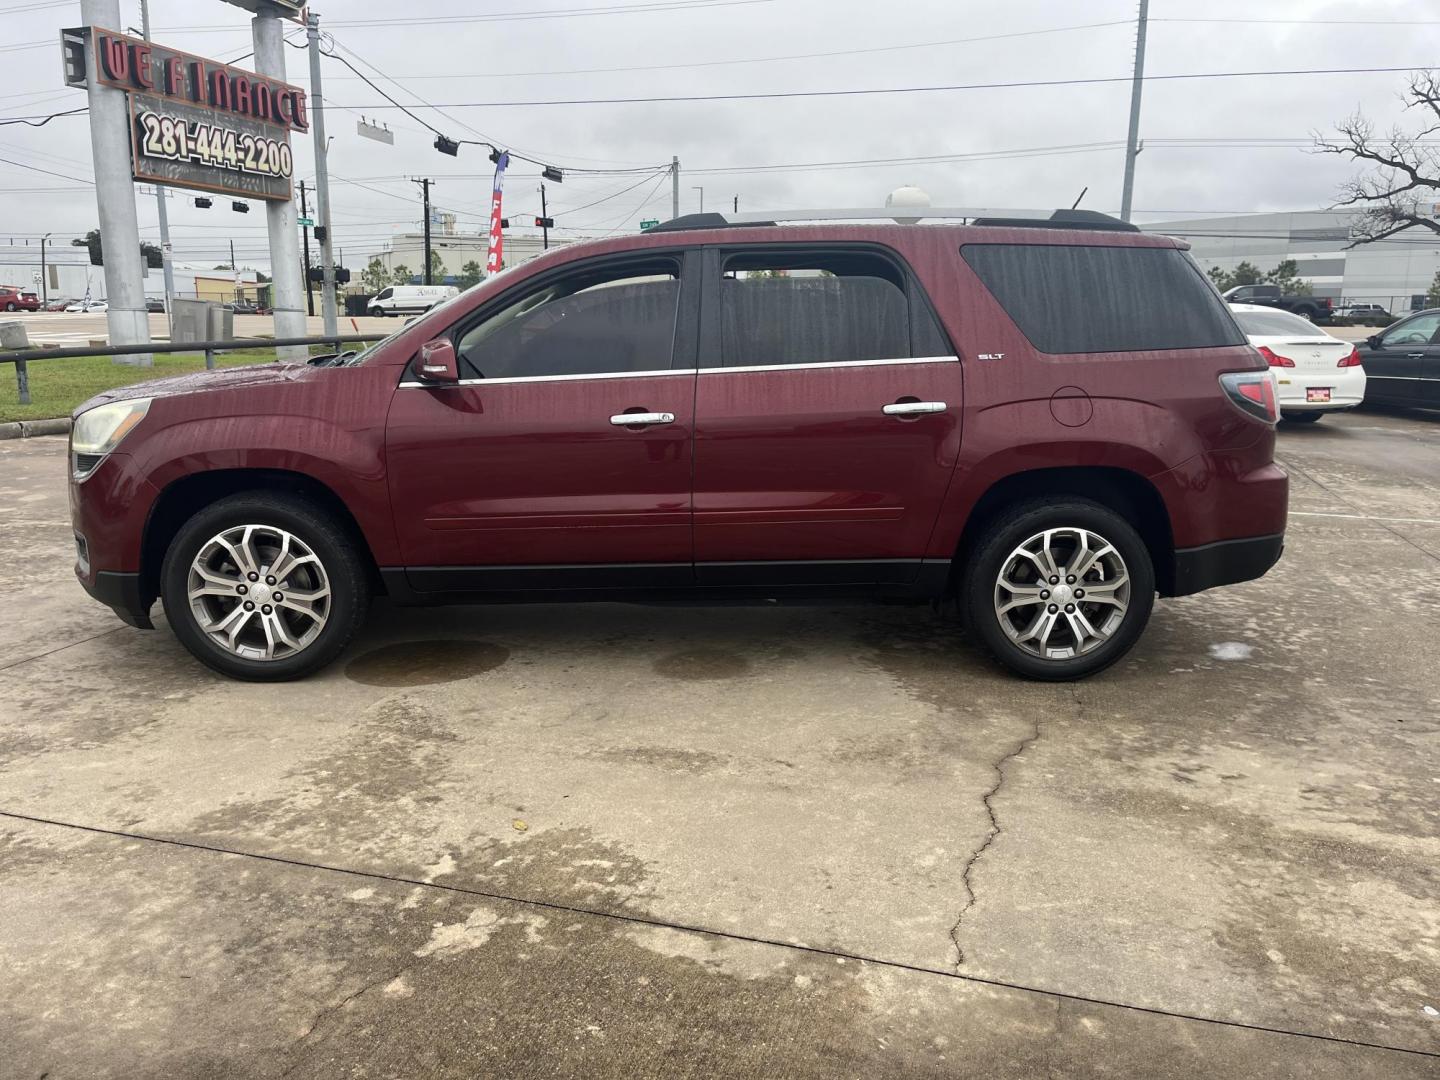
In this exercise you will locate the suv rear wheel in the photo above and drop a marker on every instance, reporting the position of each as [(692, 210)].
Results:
[(1059, 589), (264, 586)]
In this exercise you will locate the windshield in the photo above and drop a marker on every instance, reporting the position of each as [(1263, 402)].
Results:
[(349, 359), (1275, 324)]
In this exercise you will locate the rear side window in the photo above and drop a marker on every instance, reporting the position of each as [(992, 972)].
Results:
[(821, 307), (1275, 324), (1080, 299)]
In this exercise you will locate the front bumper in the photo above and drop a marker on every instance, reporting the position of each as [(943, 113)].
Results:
[(121, 592), (1225, 562)]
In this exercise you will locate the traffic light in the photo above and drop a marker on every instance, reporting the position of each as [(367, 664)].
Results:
[(342, 275), (320, 233), (447, 146), (203, 203), (550, 172), (240, 207)]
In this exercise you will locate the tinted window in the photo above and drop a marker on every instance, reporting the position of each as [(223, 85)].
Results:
[(1076, 299), (824, 307), (384, 294), (589, 323), (1274, 324)]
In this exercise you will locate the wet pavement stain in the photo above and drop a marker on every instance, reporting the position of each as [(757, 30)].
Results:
[(423, 663), (696, 665)]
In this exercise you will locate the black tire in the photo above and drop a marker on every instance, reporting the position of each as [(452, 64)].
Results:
[(11, 307), (1015, 526), (347, 573), (1301, 417), (377, 313)]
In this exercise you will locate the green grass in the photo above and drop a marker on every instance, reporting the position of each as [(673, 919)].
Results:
[(57, 386)]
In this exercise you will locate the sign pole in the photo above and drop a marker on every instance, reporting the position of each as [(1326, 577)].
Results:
[(322, 177), (305, 237), (127, 319), (162, 209), (286, 300)]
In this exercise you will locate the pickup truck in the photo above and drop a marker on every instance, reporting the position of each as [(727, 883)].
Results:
[(1313, 308)]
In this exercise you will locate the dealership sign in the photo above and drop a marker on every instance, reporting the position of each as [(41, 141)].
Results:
[(199, 123)]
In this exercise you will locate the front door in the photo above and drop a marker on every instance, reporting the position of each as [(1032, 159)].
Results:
[(562, 458), (827, 419), (1395, 365)]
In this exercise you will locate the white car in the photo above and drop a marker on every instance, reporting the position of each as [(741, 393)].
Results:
[(1314, 372), (89, 307)]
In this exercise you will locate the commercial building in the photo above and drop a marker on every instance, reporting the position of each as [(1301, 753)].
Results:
[(455, 250), (1395, 273), (67, 273)]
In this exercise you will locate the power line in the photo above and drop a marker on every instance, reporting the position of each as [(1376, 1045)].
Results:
[(776, 94), (772, 59)]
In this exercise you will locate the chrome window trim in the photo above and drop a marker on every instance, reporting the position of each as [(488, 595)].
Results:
[(417, 385)]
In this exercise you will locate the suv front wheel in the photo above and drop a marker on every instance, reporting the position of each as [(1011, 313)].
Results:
[(1059, 589), (264, 586)]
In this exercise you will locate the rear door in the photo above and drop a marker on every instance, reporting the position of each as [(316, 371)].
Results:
[(827, 418), (527, 474), (1395, 365)]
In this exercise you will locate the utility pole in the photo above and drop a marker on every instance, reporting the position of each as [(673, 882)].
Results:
[(1132, 142), (162, 210), (44, 279), (425, 189), (701, 190), (234, 274), (736, 209), (545, 219), (674, 187), (305, 239), (127, 320), (322, 177), (286, 302)]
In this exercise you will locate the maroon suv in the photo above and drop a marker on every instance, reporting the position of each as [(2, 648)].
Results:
[(1049, 421)]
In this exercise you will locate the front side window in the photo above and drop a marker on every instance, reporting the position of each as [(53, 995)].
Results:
[(608, 319), (1418, 331), (385, 294), (1087, 299), (780, 308)]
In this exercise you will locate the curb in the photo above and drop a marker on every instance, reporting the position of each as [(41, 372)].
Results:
[(24, 429)]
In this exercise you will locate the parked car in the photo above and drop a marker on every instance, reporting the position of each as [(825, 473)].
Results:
[(409, 299), (1403, 362), (154, 306), (244, 307), (87, 306), (1362, 314), (13, 298), (1310, 308), (58, 305), (1048, 423), (1315, 373)]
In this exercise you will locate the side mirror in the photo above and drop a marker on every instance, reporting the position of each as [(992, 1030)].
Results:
[(1373, 341), (437, 362)]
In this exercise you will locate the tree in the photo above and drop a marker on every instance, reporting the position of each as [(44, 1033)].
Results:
[(470, 274), (437, 267), (1402, 181), (401, 276), (1432, 296), (152, 255), (374, 277), (1287, 276), (1245, 273)]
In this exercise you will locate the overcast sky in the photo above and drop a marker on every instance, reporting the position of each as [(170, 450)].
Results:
[(454, 52)]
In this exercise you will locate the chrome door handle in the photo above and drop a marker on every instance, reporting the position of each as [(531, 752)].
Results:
[(914, 408), (642, 419), (1414, 356)]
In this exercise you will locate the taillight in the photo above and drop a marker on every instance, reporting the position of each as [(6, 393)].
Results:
[(1350, 359), (1253, 393), (1274, 359)]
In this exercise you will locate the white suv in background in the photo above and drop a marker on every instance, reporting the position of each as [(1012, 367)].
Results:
[(409, 299)]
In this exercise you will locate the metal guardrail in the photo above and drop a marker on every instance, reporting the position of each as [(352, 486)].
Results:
[(21, 357)]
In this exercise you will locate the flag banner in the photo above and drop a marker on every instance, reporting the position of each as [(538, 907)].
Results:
[(496, 258)]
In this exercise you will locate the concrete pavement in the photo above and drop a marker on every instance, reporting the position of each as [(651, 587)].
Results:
[(669, 841)]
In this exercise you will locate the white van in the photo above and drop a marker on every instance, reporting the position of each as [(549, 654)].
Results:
[(409, 299)]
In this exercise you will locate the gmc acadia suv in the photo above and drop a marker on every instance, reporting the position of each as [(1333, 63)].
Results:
[(1049, 421)]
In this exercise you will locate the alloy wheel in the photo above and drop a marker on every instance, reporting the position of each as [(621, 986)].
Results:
[(258, 592), (1062, 593)]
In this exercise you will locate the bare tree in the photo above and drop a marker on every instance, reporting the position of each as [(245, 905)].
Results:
[(1401, 183)]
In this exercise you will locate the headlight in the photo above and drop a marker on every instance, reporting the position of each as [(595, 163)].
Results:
[(98, 431)]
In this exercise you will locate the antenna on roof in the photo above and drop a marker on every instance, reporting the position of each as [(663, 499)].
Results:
[(1079, 197)]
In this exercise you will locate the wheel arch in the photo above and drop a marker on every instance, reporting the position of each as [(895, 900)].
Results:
[(183, 498), (1124, 491)]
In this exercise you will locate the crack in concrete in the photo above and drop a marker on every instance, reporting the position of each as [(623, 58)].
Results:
[(329, 1011), (995, 827)]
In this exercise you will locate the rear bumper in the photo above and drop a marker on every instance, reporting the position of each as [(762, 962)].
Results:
[(1225, 562), (121, 593)]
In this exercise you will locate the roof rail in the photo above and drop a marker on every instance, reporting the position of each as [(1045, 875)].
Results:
[(1030, 219)]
